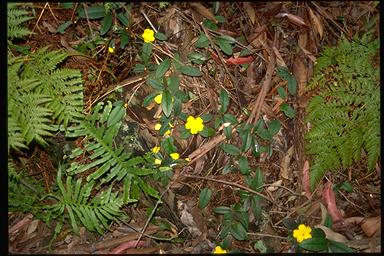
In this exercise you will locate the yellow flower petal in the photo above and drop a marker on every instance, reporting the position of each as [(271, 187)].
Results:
[(111, 50), (302, 233), (187, 159), (148, 35), (155, 149), (195, 125), (219, 250), (158, 98), (157, 127), (157, 161), (174, 156), (167, 132)]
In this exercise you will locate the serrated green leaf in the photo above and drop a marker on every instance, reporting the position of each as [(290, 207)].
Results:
[(197, 58), (168, 146), (314, 244), (274, 127), (124, 39), (205, 196), (258, 180), (190, 71), (210, 24), (160, 36), (225, 46), (239, 232), (243, 165), (220, 19), (230, 118), (150, 98), (155, 84), (228, 132), (282, 93), (202, 41), (318, 233), (123, 18), (224, 100), (162, 68), (167, 103), (230, 149), (288, 110), (106, 24), (146, 52), (207, 132), (184, 133)]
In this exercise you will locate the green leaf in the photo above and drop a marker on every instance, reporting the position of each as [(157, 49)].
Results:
[(124, 39), (282, 93), (314, 244), (205, 196), (243, 165), (228, 132), (147, 100), (347, 186), (160, 36), (220, 19), (286, 75), (207, 132), (246, 139), (106, 24), (288, 110), (224, 45), (173, 85), (274, 127), (190, 71), (206, 117), (328, 222), (230, 118), (258, 181), (334, 246), (290, 223), (94, 12), (238, 232), (168, 146), (202, 41), (68, 5), (318, 233), (184, 133), (163, 68), (146, 52), (61, 29), (197, 58), (155, 84), (231, 149), (167, 103), (210, 24), (259, 245), (138, 68), (123, 18), (116, 114), (224, 101), (222, 210)]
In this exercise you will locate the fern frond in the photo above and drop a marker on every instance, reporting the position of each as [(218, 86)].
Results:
[(16, 17), (345, 113), (95, 214)]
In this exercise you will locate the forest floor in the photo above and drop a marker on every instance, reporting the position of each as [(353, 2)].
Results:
[(294, 34)]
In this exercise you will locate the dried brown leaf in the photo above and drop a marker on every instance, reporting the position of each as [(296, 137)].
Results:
[(300, 71), (284, 165), (305, 180), (250, 11), (274, 185), (293, 19), (371, 225), (332, 235), (279, 60), (317, 23), (330, 200), (201, 9)]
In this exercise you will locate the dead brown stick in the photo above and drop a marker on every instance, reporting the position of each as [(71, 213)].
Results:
[(233, 184), (256, 110)]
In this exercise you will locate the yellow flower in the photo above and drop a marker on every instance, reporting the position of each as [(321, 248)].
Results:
[(148, 35), (155, 149), (167, 132), (219, 250), (111, 50), (157, 127), (302, 233), (157, 161), (195, 125), (187, 159), (158, 98), (126, 104), (175, 156)]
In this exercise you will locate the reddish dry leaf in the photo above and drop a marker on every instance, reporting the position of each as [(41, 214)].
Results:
[(204, 11), (250, 11), (131, 244), (239, 60), (317, 22), (293, 18), (305, 180), (330, 201), (371, 225)]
